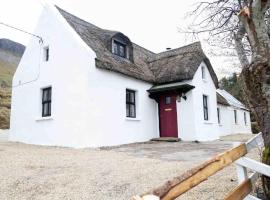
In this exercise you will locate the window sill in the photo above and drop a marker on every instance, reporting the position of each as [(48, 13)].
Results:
[(44, 118), (132, 119), (204, 80), (208, 122)]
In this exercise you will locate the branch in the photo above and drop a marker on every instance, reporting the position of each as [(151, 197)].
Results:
[(238, 37)]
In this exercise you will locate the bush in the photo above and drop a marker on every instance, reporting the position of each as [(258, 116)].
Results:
[(255, 127), (5, 99), (4, 118)]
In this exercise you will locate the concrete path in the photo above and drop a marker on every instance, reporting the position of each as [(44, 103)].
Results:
[(4, 135)]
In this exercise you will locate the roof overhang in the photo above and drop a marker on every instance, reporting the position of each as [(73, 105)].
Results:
[(180, 87)]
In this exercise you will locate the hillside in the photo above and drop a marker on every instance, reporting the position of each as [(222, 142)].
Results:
[(10, 55)]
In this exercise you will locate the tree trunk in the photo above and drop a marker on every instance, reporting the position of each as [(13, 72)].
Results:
[(257, 87)]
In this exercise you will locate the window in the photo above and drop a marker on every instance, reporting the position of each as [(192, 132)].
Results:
[(168, 100), (203, 72), (46, 54), (205, 107), (46, 101), (245, 118), (235, 116), (218, 115), (130, 104), (119, 49)]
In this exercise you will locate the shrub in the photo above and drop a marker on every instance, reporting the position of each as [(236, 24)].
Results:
[(255, 127)]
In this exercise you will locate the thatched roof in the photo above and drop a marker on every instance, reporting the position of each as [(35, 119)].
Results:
[(166, 67)]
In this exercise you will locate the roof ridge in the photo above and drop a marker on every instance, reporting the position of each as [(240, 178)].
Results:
[(198, 44)]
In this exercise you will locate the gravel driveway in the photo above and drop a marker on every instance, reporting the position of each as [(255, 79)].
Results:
[(36, 172)]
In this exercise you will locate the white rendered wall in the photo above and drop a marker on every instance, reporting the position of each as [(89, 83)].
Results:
[(186, 117), (88, 104), (227, 124), (191, 123), (226, 120)]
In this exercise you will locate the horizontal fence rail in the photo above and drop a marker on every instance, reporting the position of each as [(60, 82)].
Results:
[(181, 184)]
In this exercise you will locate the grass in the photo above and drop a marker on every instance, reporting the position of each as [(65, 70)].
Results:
[(5, 100), (6, 74)]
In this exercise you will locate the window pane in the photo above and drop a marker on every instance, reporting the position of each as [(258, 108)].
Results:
[(122, 50), (132, 97), (127, 110), (114, 48), (45, 109), (168, 100), (127, 96), (45, 95), (132, 110)]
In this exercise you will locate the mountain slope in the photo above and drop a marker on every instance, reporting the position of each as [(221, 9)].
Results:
[(10, 56)]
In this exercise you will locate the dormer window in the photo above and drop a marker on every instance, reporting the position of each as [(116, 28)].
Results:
[(119, 49)]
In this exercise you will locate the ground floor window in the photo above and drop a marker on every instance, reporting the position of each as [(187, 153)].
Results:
[(235, 116), (46, 101), (218, 115), (205, 107), (245, 118), (130, 103)]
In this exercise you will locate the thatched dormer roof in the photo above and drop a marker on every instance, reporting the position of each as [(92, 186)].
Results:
[(166, 67)]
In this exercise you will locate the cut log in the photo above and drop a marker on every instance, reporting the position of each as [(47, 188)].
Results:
[(180, 184)]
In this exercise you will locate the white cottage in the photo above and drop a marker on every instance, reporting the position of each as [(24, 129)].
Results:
[(233, 116), (84, 86)]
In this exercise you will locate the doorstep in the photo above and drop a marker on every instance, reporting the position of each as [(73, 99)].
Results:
[(166, 139)]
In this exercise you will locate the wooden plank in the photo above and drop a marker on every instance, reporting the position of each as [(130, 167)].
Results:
[(179, 185), (241, 191), (254, 166)]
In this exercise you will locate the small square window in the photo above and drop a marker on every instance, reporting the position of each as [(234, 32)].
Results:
[(119, 49), (168, 100), (46, 54)]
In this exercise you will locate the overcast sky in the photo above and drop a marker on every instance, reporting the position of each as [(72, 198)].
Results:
[(152, 24)]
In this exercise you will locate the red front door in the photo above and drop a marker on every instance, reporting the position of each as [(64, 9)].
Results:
[(168, 115)]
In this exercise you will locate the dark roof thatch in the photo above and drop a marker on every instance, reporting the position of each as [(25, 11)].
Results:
[(170, 66)]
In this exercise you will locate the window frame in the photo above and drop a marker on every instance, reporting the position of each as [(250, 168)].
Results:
[(118, 52), (130, 103), (235, 117), (205, 108), (47, 102)]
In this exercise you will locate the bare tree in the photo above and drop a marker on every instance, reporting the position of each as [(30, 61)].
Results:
[(243, 25)]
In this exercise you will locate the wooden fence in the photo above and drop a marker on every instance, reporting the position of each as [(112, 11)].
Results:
[(181, 184)]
